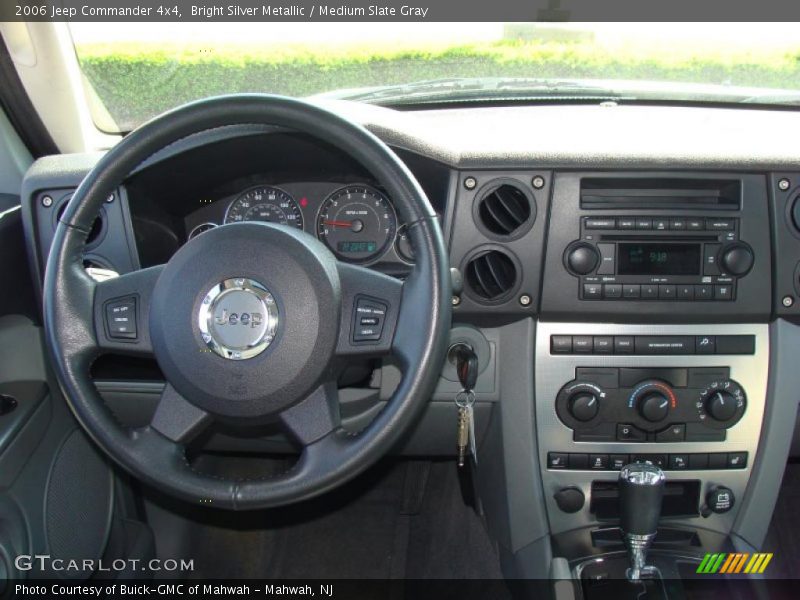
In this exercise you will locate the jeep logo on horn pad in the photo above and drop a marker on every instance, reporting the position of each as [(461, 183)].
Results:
[(238, 318)]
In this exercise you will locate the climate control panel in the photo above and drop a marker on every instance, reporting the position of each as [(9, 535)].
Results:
[(651, 404)]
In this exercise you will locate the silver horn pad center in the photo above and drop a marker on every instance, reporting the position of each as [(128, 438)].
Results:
[(238, 318)]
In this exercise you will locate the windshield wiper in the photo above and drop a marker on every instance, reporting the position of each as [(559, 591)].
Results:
[(488, 88)]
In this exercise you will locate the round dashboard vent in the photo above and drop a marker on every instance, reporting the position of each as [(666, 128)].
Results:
[(505, 209), (491, 275)]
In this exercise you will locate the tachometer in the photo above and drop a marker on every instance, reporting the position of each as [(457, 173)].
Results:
[(357, 223), (265, 203)]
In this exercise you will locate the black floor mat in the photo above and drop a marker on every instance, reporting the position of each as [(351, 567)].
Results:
[(378, 526), (783, 537)]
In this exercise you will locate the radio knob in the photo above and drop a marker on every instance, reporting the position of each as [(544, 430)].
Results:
[(584, 406), (721, 406), (654, 407), (737, 259), (582, 259)]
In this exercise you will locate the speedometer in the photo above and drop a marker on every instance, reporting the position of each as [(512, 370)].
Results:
[(357, 223), (265, 203)]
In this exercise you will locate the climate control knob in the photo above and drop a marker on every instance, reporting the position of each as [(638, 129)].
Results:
[(582, 259), (654, 407), (653, 399), (722, 404), (584, 406)]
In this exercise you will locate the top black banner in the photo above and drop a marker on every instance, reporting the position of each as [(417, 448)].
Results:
[(399, 10)]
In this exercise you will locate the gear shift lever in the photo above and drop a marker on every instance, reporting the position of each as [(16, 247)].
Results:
[(641, 488)]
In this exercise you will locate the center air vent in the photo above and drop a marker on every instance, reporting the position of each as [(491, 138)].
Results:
[(504, 209), (491, 275)]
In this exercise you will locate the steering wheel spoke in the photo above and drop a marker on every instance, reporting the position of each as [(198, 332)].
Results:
[(177, 419), (370, 306), (121, 311), (314, 417)]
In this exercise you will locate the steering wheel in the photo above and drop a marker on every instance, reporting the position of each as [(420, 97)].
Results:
[(249, 322)]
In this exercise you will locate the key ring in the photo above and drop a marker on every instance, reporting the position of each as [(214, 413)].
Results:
[(465, 399)]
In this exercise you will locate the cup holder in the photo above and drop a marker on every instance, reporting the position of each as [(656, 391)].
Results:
[(7, 404)]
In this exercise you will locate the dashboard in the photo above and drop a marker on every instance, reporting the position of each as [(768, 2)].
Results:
[(356, 221), (629, 279)]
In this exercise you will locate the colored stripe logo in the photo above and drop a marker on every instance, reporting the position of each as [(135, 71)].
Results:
[(735, 562)]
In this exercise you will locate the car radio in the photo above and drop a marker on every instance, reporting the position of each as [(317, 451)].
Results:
[(655, 258)]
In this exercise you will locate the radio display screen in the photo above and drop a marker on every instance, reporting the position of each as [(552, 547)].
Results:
[(659, 259)]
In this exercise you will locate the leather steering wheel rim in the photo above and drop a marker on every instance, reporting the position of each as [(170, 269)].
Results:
[(155, 454)]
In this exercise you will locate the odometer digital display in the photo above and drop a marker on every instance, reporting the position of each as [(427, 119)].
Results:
[(356, 247)]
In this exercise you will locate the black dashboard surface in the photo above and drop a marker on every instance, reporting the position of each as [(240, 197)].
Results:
[(293, 179)]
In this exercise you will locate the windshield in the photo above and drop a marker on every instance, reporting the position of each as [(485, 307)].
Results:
[(134, 71)]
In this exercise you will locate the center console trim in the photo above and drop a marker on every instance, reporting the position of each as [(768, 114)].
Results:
[(553, 371)]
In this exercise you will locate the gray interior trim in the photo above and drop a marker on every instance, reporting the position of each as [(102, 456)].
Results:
[(14, 158), (21, 356), (776, 434), (514, 510)]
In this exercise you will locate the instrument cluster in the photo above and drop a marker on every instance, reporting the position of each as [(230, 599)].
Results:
[(356, 221)]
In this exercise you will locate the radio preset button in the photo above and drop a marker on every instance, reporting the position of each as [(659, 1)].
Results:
[(702, 292), (685, 292), (612, 290), (666, 292), (631, 290), (649, 291)]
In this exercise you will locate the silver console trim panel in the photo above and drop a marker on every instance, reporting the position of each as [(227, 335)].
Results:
[(553, 371)]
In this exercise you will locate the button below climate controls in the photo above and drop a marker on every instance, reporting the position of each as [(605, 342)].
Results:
[(671, 462)]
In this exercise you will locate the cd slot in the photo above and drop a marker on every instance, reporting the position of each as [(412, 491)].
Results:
[(660, 193), (649, 236)]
